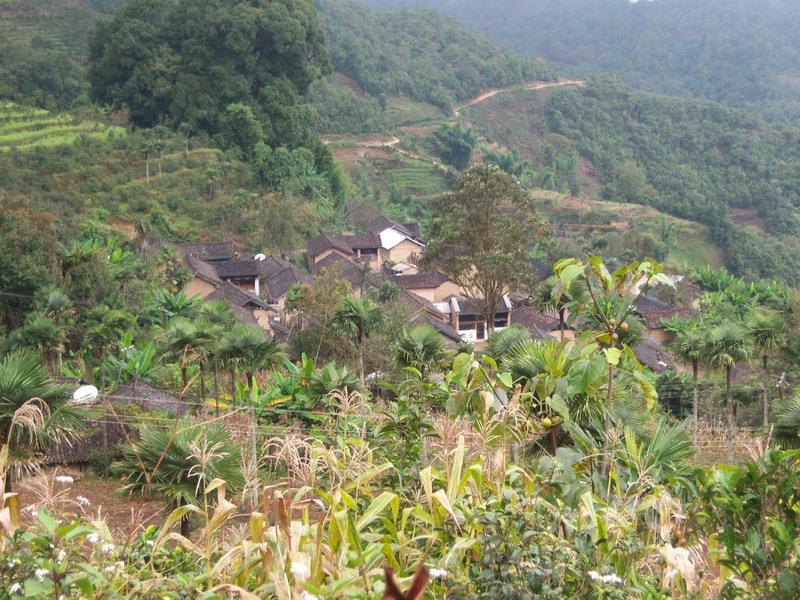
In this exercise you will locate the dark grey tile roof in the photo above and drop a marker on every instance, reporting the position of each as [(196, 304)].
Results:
[(652, 354), (281, 281), (209, 251), (349, 270), (238, 268), (425, 280), (234, 296), (470, 307), (361, 242), (202, 269), (323, 242), (538, 323), (652, 310), (138, 391), (382, 223)]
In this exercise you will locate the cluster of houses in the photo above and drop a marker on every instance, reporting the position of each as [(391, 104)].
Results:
[(255, 287)]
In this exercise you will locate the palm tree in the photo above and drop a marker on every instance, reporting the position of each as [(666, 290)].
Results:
[(184, 341), (248, 348), (359, 318), (767, 328), (420, 348), (728, 345), (180, 463), (104, 326), (218, 314), (787, 424), (689, 348), (23, 377), (501, 343)]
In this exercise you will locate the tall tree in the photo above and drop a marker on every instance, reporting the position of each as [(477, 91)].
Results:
[(728, 345), (481, 235), (22, 379), (689, 347), (768, 331), (359, 318), (204, 62)]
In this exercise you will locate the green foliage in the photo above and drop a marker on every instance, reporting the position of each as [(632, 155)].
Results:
[(511, 162), (455, 145), (418, 54), (502, 343), (420, 348), (751, 512), (735, 53), (342, 110), (180, 462), (197, 62), (493, 224), (692, 160)]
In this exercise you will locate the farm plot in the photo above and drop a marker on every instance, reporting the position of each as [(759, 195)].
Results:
[(23, 128)]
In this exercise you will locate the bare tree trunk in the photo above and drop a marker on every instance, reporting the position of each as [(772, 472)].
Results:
[(361, 377), (561, 323), (216, 384), (729, 404), (606, 461), (695, 400), (766, 391), (202, 383), (147, 170)]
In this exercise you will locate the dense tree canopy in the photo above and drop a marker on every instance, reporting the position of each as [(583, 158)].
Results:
[(187, 62), (418, 54), (738, 52)]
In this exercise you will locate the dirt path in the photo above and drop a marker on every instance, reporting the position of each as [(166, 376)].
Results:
[(528, 86), (393, 143)]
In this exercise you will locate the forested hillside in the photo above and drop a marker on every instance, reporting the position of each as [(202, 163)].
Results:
[(738, 52), (418, 54), (691, 159)]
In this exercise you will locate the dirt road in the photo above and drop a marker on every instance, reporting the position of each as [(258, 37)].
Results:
[(531, 85)]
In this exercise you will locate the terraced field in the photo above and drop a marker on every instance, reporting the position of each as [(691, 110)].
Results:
[(56, 24), (23, 128)]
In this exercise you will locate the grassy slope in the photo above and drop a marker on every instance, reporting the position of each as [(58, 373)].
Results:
[(74, 180), (23, 128)]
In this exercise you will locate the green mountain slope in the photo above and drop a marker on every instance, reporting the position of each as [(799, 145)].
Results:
[(738, 52), (691, 159), (418, 54)]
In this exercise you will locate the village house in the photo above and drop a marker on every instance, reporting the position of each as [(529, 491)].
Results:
[(246, 307), (464, 315), (434, 286), (388, 245), (652, 311), (541, 326), (255, 288)]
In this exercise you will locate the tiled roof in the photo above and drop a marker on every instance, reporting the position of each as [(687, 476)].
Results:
[(279, 282), (431, 314), (382, 223), (652, 354), (349, 270), (470, 307), (360, 242), (543, 269), (202, 269), (233, 295), (652, 310), (323, 242), (210, 251), (538, 323), (238, 268), (419, 281)]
